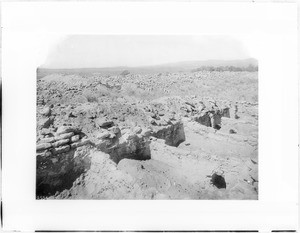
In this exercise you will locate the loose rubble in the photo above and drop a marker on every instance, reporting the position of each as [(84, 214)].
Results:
[(164, 136)]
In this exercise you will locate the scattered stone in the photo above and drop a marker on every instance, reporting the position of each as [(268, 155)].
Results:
[(146, 132), (137, 130), (153, 122), (43, 146), (232, 131), (160, 103), (112, 135), (65, 129), (60, 142), (163, 122), (61, 149), (115, 130), (45, 131), (75, 138), (44, 153), (64, 136), (45, 122), (153, 115), (80, 143), (54, 160), (46, 111), (161, 113), (47, 140), (103, 135), (254, 161), (103, 123), (71, 115)]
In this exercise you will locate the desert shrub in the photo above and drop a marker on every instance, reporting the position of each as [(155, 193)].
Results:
[(90, 96), (93, 96), (103, 91), (145, 95), (125, 72), (249, 68), (130, 89)]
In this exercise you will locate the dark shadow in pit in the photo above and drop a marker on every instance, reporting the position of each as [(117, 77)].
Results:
[(139, 148), (142, 152), (136, 148), (173, 137), (218, 181), (210, 121), (57, 173), (217, 127), (178, 142)]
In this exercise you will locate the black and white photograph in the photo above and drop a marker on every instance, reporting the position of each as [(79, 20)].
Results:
[(147, 117)]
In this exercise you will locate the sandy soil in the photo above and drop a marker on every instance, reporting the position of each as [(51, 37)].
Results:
[(188, 135)]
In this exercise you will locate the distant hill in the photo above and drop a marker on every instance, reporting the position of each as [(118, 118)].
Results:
[(168, 67)]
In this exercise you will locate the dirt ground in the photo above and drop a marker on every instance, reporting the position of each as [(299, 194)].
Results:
[(184, 135)]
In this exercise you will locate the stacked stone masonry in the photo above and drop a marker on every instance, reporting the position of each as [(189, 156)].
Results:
[(66, 138)]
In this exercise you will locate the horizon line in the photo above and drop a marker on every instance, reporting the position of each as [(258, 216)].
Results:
[(145, 66)]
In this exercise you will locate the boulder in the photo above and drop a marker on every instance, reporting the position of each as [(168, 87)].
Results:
[(112, 135), (104, 123), (153, 115), (45, 131), (64, 136), (44, 154), (80, 143), (46, 111), (137, 130), (103, 135), (60, 142), (153, 122), (164, 122), (47, 140), (45, 122), (75, 138), (115, 130), (43, 146), (127, 136), (232, 131), (65, 129), (161, 113), (146, 132), (61, 149)]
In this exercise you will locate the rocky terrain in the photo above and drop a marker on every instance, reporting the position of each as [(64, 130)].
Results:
[(183, 135)]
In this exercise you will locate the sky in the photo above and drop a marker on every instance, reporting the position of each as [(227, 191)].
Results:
[(96, 51)]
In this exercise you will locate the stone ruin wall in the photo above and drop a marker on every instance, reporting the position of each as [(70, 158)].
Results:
[(63, 155)]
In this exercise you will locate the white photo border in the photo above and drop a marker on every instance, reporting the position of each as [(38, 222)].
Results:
[(27, 29)]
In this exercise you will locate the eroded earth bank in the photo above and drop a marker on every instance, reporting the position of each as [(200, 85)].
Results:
[(165, 136)]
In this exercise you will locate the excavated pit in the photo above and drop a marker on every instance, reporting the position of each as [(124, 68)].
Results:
[(218, 181), (210, 119), (134, 125), (56, 173), (125, 145), (136, 146), (173, 135), (136, 151)]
